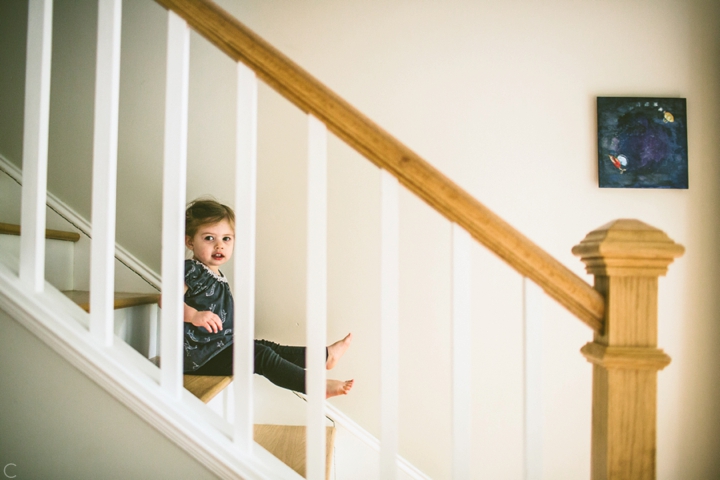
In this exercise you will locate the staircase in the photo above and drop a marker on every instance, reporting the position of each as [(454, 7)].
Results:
[(286, 442), (135, 319), (626, 257)]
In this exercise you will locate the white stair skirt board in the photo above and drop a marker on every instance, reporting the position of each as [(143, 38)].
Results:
[(134, 381)]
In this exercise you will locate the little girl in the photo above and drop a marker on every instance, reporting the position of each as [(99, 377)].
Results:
[(208, 315)]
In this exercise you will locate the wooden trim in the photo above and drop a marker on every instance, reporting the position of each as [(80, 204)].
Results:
[(627, 248), (122, 299), (624, 355), (9, 229), (624, 424), (311, 96)]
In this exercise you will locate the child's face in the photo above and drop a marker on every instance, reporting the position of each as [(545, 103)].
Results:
[(212, 244)]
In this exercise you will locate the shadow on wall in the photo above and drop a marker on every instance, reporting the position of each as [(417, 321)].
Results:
[(13, 29), (698, 434)]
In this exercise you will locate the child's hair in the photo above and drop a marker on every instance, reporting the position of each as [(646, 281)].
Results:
[(206, 212)]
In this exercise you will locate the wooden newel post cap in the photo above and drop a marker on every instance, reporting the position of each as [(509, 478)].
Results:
[(627, 247)]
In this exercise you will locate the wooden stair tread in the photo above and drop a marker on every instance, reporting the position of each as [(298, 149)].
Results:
[(10, 229), (122, 299), (205, 387), (287, 443)]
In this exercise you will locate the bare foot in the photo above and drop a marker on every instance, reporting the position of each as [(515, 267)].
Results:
[(336, 350), (338, 387)]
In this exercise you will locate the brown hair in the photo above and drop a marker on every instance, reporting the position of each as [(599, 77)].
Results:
[(206, 212)]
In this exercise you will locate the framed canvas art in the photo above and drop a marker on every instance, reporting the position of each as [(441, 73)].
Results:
[(642, 142)]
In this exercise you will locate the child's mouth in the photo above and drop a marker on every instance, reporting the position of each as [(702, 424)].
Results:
[(218, 256)]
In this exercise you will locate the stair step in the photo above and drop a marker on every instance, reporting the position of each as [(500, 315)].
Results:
[(10, 229), (122, 299), (287, 443), (205, 387)]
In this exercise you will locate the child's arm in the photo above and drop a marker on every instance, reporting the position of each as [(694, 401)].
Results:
[(206, 319), (210, 321)]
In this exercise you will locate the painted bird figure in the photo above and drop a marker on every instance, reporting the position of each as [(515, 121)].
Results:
[(620, 161)]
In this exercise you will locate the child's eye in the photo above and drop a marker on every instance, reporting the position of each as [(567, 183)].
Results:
[(209, 238), (227, 239)]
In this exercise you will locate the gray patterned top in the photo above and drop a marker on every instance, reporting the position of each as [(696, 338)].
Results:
[(206, 291)]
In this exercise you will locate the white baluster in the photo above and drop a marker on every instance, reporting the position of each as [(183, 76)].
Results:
[(389, 326), (104, 187), (316, 297), (35, 143), (462, 357), (174, 184), (533, 298), (244, 267)]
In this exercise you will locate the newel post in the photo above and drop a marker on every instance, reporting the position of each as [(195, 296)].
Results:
[(626, 257)]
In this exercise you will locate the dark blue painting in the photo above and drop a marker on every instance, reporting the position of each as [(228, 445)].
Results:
[(642, 142)]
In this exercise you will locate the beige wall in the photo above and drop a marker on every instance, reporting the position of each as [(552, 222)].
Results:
[(57, 423), (501, 97)]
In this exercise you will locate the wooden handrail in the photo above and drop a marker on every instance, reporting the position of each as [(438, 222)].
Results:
[(421, 178)]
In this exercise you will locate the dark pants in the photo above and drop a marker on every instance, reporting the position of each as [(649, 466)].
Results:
[(282, 365)]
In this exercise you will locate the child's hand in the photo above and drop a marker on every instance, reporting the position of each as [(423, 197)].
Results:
[(207, 320)]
